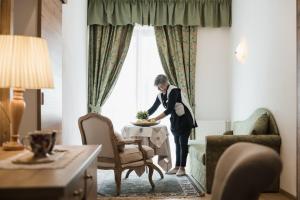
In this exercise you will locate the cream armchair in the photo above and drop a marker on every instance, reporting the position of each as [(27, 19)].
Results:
[(117, 155)]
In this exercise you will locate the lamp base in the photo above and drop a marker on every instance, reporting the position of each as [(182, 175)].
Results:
[(17, 106), (12, 146)]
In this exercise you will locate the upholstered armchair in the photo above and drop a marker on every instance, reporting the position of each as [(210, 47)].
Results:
[(244, 171), (116, 154), (259, 128)]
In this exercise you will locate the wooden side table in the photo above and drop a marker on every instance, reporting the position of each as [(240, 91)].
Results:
[(78, 180)]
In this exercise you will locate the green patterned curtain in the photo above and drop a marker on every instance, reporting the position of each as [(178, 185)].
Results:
[(205, 13), (108, 46), (177, 47)]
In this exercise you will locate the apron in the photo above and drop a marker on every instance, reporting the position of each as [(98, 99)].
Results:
[(179, 107)]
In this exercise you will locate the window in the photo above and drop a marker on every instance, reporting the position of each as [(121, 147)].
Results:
[(134, 90)]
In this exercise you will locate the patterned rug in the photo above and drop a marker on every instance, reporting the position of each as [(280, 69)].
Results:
[(134, 186)]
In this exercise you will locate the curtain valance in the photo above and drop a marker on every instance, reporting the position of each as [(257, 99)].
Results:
[(205, 13)]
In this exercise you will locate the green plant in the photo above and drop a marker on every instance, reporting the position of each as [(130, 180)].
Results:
[(142, 115)]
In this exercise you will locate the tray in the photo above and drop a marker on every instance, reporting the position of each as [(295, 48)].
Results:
[(145, 124)]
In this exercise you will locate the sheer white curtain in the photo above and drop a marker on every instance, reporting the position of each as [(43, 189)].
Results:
[(135, 89)]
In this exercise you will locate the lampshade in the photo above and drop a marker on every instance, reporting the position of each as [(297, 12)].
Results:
[(24, 63)]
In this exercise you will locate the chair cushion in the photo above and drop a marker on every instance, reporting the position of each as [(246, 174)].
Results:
[(197, 152), (149, 151), (130, 154), (261, 126), (242, 128), (246, 127)]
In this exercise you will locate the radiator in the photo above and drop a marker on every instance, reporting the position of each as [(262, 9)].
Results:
[(211, 127)]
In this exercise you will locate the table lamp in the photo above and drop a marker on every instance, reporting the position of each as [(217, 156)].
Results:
[(24, 64)]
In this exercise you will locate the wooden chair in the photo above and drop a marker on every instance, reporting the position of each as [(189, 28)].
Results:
[(244, 171), (115, 154)]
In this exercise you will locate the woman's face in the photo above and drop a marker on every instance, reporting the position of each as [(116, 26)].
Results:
[(162, 87)]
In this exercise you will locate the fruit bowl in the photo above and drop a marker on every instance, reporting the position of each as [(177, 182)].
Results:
[(145, 123)]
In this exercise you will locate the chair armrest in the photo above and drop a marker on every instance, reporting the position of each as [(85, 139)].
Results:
[(216, 145), (224, 141), (228, 133)]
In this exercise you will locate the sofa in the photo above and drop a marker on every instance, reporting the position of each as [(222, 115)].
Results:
[(259, 128)]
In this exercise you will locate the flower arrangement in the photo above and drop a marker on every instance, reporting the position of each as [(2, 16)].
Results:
[(142, 115)]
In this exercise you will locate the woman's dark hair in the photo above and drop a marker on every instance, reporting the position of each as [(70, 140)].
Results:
[(160, 79)]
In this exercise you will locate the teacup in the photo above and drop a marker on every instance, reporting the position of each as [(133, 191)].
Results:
[(41, 142)]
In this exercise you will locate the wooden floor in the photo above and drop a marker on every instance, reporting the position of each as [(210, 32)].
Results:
[(207, 197)]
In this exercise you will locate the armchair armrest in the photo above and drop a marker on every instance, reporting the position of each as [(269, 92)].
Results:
[(223, 142), (216, 145), (228, 133)]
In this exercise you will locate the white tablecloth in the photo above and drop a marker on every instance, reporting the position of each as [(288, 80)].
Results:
[(155, 137), (157, 134)]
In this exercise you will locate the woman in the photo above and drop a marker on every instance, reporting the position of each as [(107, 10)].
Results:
[(182, 119)]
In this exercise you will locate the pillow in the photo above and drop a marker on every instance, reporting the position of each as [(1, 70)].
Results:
[(261, 126), (119, 139)]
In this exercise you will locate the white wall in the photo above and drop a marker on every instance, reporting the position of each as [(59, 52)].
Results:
[(212, 74), (268, 78), (74, 68)]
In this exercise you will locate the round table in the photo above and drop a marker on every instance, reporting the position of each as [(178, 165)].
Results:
[(156, 137)]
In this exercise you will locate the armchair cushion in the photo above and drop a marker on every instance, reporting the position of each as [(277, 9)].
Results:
[(247, 126), (148, 150), (130, 154), (197, 152), (261, 126), (197, 158)]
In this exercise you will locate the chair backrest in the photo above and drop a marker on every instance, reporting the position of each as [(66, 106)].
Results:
[(244, 171), (247, 125), (98, 129)]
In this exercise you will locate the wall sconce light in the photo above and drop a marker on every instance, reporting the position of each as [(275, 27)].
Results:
[(241, 51)]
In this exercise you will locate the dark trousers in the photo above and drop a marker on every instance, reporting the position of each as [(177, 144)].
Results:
[(182, 149)]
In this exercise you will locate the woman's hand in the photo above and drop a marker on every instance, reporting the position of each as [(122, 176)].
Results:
[(152, 120), (159, 117)]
